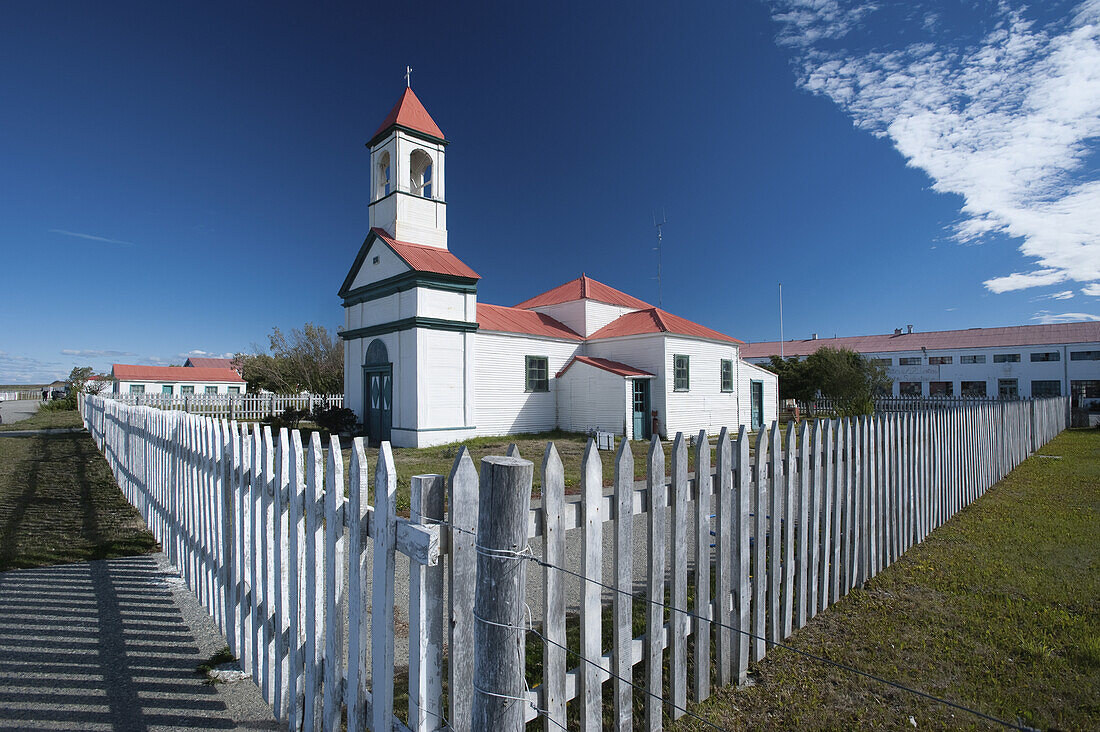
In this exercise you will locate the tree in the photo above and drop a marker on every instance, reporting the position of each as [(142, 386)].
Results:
[(845, 376), (308, 359)]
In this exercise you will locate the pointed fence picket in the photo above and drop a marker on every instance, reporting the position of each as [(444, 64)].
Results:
[(264, 530)]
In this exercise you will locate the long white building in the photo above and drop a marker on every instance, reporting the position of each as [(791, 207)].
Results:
[(426, 363), (1019, 361)]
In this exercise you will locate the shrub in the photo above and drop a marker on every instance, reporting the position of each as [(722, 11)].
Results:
[(59, 405), (289, 418), (334, 419)]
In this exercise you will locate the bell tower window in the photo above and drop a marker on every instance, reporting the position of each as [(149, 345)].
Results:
[(385, 177), (420, 169)]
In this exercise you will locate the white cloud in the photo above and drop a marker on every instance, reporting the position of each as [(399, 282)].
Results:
[(1063, 295), (1007, 122), (95, 353), (1046, 317), (1091, 290), (93, 237)]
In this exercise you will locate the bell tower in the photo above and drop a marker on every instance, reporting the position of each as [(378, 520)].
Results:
[(408, 189)]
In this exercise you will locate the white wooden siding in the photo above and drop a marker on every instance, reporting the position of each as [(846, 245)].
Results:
[(389, 265), (704, 405), (570, 314), (644, 352), (746, 373), (599, 314), (502, 406), (441, 393), (440, 304), (590, 398)]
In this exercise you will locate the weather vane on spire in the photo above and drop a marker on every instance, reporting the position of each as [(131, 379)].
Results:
[(408, 75)]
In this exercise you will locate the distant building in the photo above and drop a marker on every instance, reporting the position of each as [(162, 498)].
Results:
[(174, 380), (1019, 361), (426, 363)]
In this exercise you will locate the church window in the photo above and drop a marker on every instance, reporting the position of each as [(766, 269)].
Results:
[(681, 378), (727, 374), (384, 176), (420, 170), (538, 373)]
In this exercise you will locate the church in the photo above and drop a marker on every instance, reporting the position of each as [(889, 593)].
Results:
[(426, 364)]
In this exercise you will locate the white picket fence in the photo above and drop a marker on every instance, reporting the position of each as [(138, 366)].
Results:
[(248, 407), (21, 395), (262, 532)]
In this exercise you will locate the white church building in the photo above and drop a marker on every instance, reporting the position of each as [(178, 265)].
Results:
[(425, 363)]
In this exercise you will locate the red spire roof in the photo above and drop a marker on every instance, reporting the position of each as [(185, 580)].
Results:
[(424, 258), (409, 113), (582, 288)]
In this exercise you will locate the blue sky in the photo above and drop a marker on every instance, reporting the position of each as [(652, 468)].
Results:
[(180, 178)]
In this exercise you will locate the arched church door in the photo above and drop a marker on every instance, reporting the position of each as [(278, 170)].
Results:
[(377, 392)]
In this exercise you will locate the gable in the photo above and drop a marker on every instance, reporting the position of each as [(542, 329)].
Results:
[(366, 271)]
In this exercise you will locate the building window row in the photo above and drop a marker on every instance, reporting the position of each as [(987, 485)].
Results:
[(1037, 357), (1006, 388)]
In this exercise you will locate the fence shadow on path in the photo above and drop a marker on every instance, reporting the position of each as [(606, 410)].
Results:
[(100, 645)]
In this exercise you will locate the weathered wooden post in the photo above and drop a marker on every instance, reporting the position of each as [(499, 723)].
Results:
[(499, 627)]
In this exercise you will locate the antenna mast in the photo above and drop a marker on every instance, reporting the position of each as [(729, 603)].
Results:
[(660, 235), (781, 320)]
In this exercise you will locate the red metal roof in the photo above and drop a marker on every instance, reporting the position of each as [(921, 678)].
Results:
[(516, 320), (1008, 337), (424, 258), (131, 372), (409, 112), (582, 288), (614, 367), (209, 363), (655, 320)]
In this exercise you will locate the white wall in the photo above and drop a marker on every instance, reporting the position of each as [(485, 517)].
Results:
[(570, 314), (747, 373), (389, 265), (591, 398), (502, 406), (599, 314), (644, 352), (704, 405)]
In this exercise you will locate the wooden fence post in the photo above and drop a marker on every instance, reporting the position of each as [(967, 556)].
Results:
[(624, 583), (553, 595), (358, 602), (462, 511), (504, 502), (426, 613), (701, 633), (655, 587)]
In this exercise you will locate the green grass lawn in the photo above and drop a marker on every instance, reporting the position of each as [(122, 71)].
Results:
[(45, 419), (59, 503), (998, 610)]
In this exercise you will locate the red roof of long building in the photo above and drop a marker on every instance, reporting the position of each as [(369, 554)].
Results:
[(655, 320), (1007, 337), (517, 320), (423, 258), (132, 372), (410, 113), (615, 367), (583, 288)]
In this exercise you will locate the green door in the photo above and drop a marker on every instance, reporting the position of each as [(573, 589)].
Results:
[(379, 406), (757, 391), (641, 409)]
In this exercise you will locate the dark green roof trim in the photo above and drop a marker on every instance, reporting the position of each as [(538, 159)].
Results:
[(407, 281), (408, 131), (461, 326)]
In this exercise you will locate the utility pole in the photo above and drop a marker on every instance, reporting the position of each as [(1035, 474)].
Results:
[(781, 320)]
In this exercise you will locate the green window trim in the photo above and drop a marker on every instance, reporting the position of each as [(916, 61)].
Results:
[(537, 374), (233, 390), (137, 388), (681, 372), (210, 390), (725, 374)]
